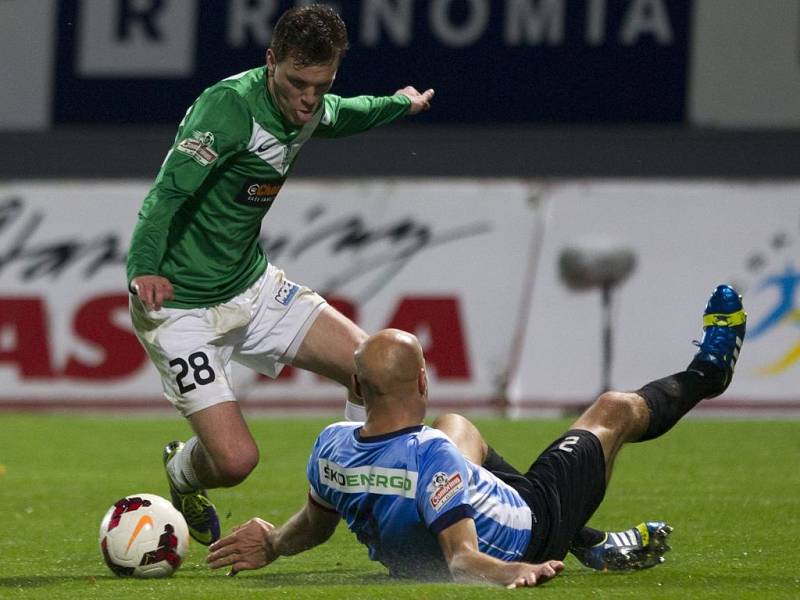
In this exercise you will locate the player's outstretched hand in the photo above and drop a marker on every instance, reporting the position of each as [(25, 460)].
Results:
[(152, 290), (245, 548), (530, 575), (420, 101)]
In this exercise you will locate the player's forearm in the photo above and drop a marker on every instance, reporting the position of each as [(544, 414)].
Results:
[(149, 239), (361, 113), (298, 534), (147, 248), (477, 567)]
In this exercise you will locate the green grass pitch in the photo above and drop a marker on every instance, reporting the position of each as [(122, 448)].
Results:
[(730, 488)]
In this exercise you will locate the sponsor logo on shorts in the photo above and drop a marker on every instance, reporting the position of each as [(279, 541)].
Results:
[(286, 292), (446, 486), (258, 193), (198, 146), (368, 479)]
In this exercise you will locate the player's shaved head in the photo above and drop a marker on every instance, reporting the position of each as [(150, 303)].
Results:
[(389, 363)]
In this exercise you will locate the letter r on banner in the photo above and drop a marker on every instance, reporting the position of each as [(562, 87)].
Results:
[(136, 38)]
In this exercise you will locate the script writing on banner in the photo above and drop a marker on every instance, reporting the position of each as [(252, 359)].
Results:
[(353, 245), (359, 247)]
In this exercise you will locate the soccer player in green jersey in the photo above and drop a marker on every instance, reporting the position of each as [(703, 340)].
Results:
[(203, 291)]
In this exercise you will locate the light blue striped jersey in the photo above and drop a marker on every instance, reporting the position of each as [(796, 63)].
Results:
[(398, 491)]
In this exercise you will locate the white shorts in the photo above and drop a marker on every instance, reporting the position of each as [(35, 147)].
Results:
[(261, 328)]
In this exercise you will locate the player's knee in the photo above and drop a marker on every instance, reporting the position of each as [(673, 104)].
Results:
[(233, 468), (616, 408), (450, 422), (443, 420), (464, 434)]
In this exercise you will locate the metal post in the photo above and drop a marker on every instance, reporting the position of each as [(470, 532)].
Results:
[(608, 347)]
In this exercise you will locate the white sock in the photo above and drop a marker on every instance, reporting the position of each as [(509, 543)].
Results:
[(354, 412), (180, 468)]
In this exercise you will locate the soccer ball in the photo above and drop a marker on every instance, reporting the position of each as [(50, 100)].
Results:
[(143, 535)]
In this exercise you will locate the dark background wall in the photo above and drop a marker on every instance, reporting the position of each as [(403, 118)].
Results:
[(408, 149), (525, 88)]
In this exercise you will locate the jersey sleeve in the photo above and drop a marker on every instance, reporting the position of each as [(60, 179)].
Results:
[(348, 116), (216, 126), (312, 474), (443, 486)]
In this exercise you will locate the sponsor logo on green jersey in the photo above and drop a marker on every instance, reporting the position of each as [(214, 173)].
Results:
[(258, 193), (198, 146)]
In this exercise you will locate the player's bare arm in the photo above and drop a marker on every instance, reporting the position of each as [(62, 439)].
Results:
[(152, 290), (257, 543), (420, 101), (467, 563)]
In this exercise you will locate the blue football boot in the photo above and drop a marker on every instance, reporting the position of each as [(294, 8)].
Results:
[(637, 548), (724, 322), (195, 506)]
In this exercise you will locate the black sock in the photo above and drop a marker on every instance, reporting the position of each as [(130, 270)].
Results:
[(672, 397), (588, 537)]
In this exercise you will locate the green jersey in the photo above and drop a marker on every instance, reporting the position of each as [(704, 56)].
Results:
[(199, 225)]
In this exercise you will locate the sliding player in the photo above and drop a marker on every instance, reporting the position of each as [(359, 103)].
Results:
[(432, 502)]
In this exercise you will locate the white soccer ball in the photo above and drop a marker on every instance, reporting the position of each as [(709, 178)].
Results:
[(143, 535)]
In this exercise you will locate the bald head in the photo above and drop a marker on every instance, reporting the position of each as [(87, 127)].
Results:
[(390, 362)]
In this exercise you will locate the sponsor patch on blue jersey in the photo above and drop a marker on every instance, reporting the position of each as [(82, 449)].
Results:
[(286, 292), (444, 488)]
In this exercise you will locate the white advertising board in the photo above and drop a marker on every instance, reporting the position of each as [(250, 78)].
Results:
[(446, 259), (687, 238), (470, 266)]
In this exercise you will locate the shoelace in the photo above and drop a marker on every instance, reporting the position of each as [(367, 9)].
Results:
[(717, 340), (194, 508)]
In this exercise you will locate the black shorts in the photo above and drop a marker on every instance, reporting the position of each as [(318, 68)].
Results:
[(563, 487)]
